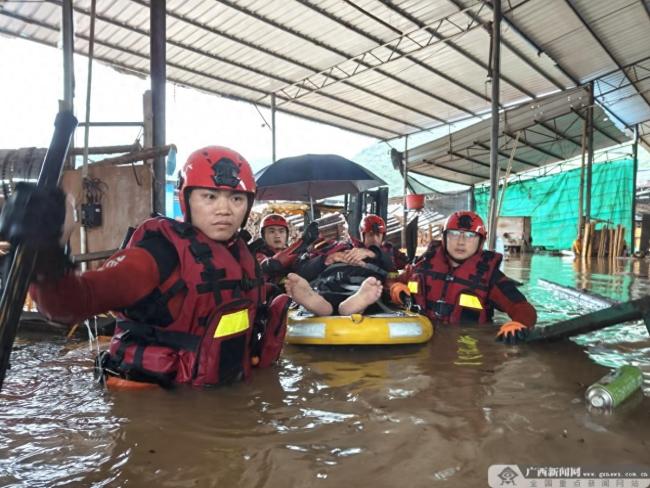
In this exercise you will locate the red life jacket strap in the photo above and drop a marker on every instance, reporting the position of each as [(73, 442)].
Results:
[(148, 334)]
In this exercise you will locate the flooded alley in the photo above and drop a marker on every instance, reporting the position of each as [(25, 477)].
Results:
[(433, 415)]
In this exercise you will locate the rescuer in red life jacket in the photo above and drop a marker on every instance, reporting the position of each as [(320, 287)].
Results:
[(455, 281), (188, 294), (345, 277), (275, 232), (272, 251), (372, 230)]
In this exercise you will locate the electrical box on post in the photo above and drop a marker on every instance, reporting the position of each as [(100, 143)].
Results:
[(91, 215), (91, 210)]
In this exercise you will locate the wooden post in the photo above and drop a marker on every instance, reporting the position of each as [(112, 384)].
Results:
[(621, 240)]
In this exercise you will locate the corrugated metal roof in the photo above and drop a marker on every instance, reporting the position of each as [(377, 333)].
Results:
[(550, 130), (378, 67)]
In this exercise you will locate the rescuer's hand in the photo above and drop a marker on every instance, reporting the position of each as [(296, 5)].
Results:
[(512, 333), (33, 216), (399, 293), (42, 220)]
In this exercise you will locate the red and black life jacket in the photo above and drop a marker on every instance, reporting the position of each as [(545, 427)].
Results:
[(208, 341), (455, 295), (263, 252)]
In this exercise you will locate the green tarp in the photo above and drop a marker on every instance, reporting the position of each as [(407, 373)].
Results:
[(552, 202)]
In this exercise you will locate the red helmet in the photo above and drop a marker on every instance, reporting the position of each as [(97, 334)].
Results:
[(274, 219), (372, 223), (465, 220), (217, 168)]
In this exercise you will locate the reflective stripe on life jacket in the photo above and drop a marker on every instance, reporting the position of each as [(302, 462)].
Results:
[(208, 340), (455, 295)]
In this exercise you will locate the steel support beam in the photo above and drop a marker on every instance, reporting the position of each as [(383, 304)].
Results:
[(158, 67), (273, 54), (561, 135), (590, 151), (460, 50), (635, 162), (596, 128), (273, 152), (469, 158), (277, 25), (513, 27), (67, 31), (454, 170), (506, 155), (536, 147), (421, 26), (240, 65), (494, 136), (512, 48), (586, 25)]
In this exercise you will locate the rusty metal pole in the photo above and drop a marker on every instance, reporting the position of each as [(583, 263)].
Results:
[(67, 37), (635, 156), (405, 191), (273, 149), (494, 139), (590, 151), (158, 68), (581, 188), (67, 46)]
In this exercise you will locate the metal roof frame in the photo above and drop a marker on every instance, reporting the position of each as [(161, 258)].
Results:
[(549, 131), (382, 68)]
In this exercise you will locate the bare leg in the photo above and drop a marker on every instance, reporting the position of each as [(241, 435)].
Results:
[(367, 294), (298, 288)]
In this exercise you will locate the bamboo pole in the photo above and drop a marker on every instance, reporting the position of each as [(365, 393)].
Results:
[(621, 243), (585, 240), (592, 234), (601, 241), (507, 176)]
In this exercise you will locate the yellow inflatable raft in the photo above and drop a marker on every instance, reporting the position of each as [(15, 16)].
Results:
[(399, 327)]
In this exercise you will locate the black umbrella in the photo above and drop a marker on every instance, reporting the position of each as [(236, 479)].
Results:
[(313, 176)]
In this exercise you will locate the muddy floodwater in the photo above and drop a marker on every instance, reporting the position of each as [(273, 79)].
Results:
[(433, 415)]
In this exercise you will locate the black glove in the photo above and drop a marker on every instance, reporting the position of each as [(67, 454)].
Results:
[(310, 234), (34, 217), (282, 261), (512, 333)]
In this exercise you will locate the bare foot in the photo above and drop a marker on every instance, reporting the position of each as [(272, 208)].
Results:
[(367, 294), (298, 288)]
